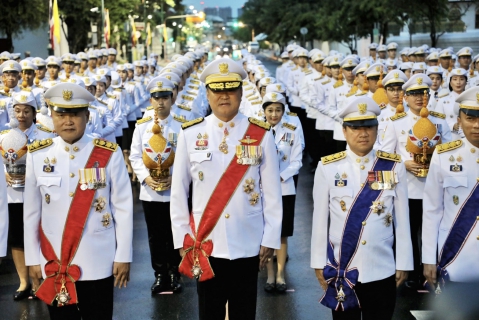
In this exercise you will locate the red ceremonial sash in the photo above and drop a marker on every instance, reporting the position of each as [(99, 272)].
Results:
[(61, 274), (197, 248)]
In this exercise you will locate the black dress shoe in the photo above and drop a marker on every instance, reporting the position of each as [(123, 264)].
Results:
[(269, 287), (161, 284), (20, 295), (411, 284), (175, 284), (281, 287)]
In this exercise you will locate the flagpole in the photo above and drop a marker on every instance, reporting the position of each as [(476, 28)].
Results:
[(103, 44)]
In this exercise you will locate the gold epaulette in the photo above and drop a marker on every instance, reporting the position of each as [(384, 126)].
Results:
[(144, 120), (193, 87), (182, 120), (294, 69), (448, 146), (195, 82), (437, 114), (398, 116), (111, 96), (192, 123), (5, 94), (333, 157), (185, 97), (132, 83), (444, 95), (102, 102), (105, 144), (249, 95), (382, 106), (245, 83), (191, 93), (289, 126), (361, 93), (90, 106), (42, 128), (326, 82), (29, 89), (182, 106), (308, 72), (259, 123), (293, 114), (256, 102), (388, 156), (316, 79), (40, 144), (337, 84), (119, 89), (5, 131), (150, 108), (253, 98), (248, 88)]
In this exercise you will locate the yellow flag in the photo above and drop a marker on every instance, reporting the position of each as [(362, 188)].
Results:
[(56, 22), (171, 3), (148, 36)]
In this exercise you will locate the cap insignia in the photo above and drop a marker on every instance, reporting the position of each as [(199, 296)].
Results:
[(22, 98), (224, 68), (12, 65), (362, 107), (377, 68), (278, 86), (102, 71), (419, 81), (467, 50), (477, 97), (168, 77), (458, 71), (274, 96), (336, 59), (67, 95), (87, 81), (25, 64), (159, 84), (267, 80), (350, 62), (396, 75)]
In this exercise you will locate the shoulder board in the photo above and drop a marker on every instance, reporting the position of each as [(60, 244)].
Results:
[(105, 144), (316, 79), (102, 102), (382, 106), (192, 123), (249, 95), (90, 107), (111, 96), (245, 83), (448, 146), (29, 89), (294, 69), (144, 120), (389, 156), (398, 116), (182, 120), (437, 114), (5, 94), (39, 144), (308, 72), (191, 93), (292, 114), (256, 102), (193, 87), (248, 88), (350, 93), (42, 128), (443, 95), (337, 84), (132, 83), (289, 126), (194, 76), (333, 157), (5, 131), (259, 123), (253, 98), (361, 93), (326, 82), (195, 81), (119, 89), (184, 107), (185, 97), (150, 108)]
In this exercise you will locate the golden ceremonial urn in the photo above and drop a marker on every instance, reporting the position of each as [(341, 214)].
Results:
[(422, 140), (158, 156)]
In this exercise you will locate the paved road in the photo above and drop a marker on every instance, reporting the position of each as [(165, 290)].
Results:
[(136, 302)]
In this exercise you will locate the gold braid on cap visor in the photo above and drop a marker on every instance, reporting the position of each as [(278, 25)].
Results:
[(359, 118), (462, 106), (224, 85)]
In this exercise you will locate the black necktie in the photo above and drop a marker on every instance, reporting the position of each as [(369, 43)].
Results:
[(274, 133)]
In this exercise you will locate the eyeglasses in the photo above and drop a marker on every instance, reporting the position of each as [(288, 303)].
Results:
[(394, 90)]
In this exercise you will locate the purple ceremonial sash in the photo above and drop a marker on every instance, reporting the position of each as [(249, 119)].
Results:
[(464, 222), (341, 280)]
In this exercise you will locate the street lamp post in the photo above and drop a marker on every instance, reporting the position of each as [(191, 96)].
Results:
[(164, 26)]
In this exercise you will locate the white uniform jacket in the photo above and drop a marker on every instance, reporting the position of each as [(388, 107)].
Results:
[(49, 197), (141, 136), (395, 139), (290, 154), (3, 215), (444, 195), (242, 227), (374, 257)]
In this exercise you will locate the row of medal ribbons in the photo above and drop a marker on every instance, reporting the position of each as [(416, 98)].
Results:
[(382, 180), (249, 155), (92, 178)]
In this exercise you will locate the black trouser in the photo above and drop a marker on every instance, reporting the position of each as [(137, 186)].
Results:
[(164, 257), (301, 115), (328, 147), (312, 136), (95, 302), (415, 223), (119, 141), (235, 282), (377, 300)]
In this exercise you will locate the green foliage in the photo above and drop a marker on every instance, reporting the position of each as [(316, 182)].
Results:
[(18, 15)]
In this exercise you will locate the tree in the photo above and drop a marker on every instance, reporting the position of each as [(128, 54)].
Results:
[(19, 15)]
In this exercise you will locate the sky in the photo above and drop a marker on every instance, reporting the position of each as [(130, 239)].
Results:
[(200, 4)]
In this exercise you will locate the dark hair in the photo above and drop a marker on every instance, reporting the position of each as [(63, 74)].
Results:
[(267, 104)]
